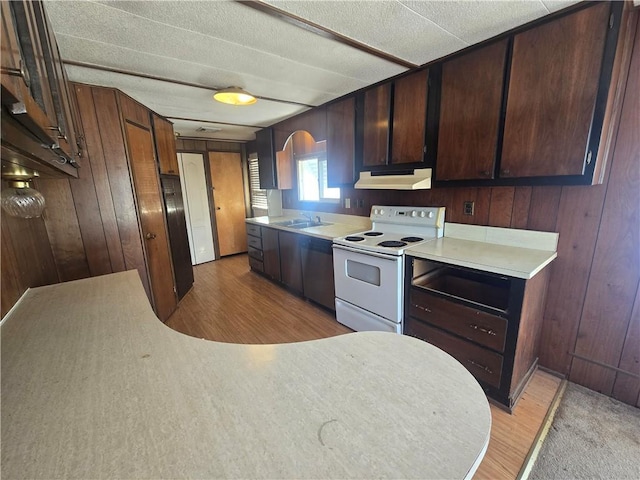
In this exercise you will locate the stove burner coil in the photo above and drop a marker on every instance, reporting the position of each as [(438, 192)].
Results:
[(354, 239), (373, 234), (411, 239), (392, 243)]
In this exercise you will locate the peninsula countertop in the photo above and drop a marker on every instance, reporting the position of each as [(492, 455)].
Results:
[(505, 251), (95, 386)]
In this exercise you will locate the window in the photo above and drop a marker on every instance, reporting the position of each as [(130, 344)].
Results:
[(312, 180), (258, 196)]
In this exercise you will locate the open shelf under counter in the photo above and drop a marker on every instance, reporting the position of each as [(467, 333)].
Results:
[(488, 321)]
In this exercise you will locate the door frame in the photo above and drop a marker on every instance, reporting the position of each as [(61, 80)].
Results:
[(212, 207), (212, 219)]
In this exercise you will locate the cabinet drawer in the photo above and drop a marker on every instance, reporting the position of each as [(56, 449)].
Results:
[(255, 253), (256, 264), (253, 230), (481, 327), (255, 242), (483, 364)]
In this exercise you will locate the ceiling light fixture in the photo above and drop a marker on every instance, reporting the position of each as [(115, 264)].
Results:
[(234, 96), (19, 200)]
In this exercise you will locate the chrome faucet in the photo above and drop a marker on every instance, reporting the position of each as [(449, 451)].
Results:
[(307, 216), (318, 219)]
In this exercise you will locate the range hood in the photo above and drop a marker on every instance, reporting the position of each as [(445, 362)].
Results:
[(418, 179)]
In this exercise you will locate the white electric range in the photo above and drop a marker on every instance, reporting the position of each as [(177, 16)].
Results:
[(369, 266)]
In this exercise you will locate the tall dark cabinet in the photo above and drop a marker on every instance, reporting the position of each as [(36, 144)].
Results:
[(266, 159), (177, 227)]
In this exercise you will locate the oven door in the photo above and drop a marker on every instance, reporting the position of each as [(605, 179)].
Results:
[(371, 281)]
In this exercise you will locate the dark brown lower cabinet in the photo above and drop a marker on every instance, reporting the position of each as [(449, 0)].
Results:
[(302, 263), (490, 323), (271, 253), (254, 248), (290, 261), (178, 239)]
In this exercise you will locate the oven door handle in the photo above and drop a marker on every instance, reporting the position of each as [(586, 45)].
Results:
[(391, 258)]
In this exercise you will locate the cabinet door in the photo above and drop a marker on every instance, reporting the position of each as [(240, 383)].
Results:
[(14, 74), (471, 99), (377, 104), (341, 117), (29, 100), (165, 146), (552, 91), (271, 253), (151, 214), (409, 118), (266, 159), (290, 261), (57, 82)]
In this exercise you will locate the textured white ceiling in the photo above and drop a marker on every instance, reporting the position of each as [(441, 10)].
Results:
[(223, 43)]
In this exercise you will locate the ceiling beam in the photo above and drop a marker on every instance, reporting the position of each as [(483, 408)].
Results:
[(323, 31), (93, 66), (212, 122)]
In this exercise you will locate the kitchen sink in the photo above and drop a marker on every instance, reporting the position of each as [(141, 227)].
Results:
[(289, 223), (300, 223), (309, 224)]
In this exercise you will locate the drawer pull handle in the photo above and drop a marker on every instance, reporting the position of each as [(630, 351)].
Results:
[(421, 308), (488, 331), (479, 365)]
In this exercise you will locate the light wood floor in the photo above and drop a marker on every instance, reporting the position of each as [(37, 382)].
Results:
[(229, 303)]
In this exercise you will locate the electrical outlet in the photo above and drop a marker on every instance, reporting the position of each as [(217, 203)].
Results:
[(347, 203), (360, 203), (468, 207)]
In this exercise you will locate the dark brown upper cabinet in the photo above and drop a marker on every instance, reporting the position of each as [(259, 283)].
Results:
[(553, 87), (471, 98), (165, 145), (394, 122), (341, 119), (377, 107), (409, 116), (266, 159), (536, 107), (35, 93)]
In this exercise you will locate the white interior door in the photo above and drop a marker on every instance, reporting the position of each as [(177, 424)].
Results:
[(196, 206)]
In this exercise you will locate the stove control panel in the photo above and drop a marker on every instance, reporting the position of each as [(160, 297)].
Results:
[(424, 216)]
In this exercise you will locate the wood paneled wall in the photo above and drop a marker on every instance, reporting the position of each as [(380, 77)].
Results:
[(26, 258), (89, 226), (591, 329)]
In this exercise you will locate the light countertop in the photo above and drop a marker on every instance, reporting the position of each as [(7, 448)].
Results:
[(338, 227), (497, 250), (95, 386)]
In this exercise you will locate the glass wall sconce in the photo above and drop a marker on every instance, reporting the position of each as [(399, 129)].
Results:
[(20, 200)]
